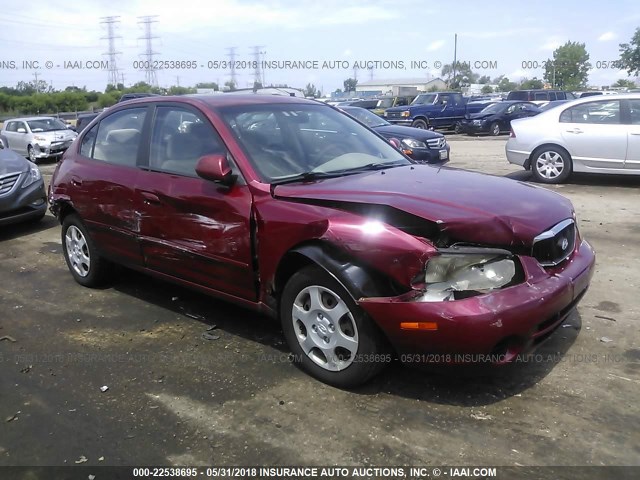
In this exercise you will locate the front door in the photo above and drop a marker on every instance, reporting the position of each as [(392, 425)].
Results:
[(190, 228)]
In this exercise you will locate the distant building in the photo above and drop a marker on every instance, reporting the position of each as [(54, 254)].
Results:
[(476, 88), (386, 85)]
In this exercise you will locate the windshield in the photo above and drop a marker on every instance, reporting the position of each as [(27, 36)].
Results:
[(46, 125), (288, 140), (495, 108), (370, 119), (426, 99)]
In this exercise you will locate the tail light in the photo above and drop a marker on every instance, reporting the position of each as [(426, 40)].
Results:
[(512, 134)]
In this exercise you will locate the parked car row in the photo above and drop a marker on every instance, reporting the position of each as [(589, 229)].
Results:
[(298, 210)]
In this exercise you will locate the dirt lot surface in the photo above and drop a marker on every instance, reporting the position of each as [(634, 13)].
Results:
[(175, 398)]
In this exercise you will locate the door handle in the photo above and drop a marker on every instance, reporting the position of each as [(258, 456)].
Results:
[(76, 182), (635, 133), (150, 198), (575, 130)]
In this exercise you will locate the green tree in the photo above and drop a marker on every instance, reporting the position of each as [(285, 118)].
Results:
[(463, 75), (630, 55), (527, 84), (211, 85), (487, 89), (622, 83), (350, 84), (484, 79), (230, 84), (310, 91), (569, 68), (505, 85)]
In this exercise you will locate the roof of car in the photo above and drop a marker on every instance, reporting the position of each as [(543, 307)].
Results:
[(25, 119), (224, 100)]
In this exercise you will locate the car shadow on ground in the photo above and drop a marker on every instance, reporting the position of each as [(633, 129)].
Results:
[(584, 179), (461, 386), (9, 232)]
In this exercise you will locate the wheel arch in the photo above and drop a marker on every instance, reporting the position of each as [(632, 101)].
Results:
[(534, 152), (358, 280)]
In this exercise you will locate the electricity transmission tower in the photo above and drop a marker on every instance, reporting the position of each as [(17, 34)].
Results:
[(150, 75), (258, 72), (111, 22), (232, 65)]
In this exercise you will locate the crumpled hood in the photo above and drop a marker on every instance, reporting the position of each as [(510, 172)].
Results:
[(466, 206), (11, 162)]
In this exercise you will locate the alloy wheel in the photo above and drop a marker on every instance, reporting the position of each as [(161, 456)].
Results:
[(325, 328), (550, 165), (77, 251)]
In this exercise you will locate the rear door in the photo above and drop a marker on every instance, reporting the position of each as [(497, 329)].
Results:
[(594, 134), (103, 183), (190, 228)]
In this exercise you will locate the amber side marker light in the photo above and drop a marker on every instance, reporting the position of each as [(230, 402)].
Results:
[(419, 326)]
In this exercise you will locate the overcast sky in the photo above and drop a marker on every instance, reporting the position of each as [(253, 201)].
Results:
[(502, 34)]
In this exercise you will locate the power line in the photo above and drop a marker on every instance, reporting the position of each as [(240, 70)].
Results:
[(149, 68), (111, 22)]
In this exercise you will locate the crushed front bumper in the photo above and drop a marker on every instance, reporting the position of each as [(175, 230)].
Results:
[(496, 326)]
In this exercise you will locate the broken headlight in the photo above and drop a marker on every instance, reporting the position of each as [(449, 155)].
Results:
[(462, 272)]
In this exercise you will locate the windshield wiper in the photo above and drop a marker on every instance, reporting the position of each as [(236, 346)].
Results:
[(377, 166), (307, 177)]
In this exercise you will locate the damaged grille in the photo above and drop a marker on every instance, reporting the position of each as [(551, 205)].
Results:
[(437, 142), (7, 182), (555, 245)]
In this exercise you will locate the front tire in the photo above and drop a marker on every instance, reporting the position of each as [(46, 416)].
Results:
[(31, 152), (420, 124), (494, 129), (330, 336), (85, 264), (551, 164)]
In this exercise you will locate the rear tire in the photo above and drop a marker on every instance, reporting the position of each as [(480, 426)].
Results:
[(85, 264), (551, 164), (330, 336)]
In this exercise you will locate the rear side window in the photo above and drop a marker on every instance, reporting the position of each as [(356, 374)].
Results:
[(561, 95), (602, 112), (86, 147), (518, 95), (541, 96), (118, 137)]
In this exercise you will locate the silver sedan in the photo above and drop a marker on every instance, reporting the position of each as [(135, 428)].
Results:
[(596, 135), (37, 137)]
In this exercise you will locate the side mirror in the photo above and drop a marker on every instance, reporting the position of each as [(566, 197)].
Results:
[(21, 130), (215, 167)]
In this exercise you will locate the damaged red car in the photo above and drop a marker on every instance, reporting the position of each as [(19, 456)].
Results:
[(293, 208)]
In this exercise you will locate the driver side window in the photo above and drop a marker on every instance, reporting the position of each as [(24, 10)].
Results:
[(179, 139)]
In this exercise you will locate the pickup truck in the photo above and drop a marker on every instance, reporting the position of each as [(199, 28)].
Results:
[(434, 110)]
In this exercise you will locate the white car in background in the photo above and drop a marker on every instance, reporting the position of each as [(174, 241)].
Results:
[(594, 134)]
